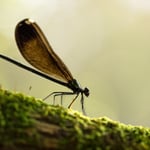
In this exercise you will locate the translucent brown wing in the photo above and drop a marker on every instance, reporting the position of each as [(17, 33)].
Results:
[(35, 48)]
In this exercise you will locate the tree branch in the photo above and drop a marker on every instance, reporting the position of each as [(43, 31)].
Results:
[(28, 123)]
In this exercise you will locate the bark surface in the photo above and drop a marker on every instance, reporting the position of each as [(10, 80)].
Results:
[(28, 123)]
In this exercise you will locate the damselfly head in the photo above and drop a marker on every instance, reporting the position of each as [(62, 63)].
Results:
[(86, 91)]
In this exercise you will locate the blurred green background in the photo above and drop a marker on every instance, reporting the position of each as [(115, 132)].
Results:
[(105, 44)]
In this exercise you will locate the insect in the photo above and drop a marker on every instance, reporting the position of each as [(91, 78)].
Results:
[(35, 48)]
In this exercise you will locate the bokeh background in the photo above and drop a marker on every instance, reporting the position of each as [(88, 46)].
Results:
[(105, 44)]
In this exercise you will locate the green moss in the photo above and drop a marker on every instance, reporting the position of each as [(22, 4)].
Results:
[(36, 125)]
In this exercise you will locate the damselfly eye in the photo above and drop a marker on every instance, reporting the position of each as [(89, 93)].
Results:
[(86, 92)]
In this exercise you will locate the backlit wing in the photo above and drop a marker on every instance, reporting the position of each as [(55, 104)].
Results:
[(35, 48)]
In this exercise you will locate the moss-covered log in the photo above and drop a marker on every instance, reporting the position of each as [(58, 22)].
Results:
[(28, 123)]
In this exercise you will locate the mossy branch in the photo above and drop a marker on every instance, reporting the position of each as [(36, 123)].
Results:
[(28, 123)]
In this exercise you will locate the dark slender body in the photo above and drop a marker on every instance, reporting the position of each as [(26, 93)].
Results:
[(35, 48)]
